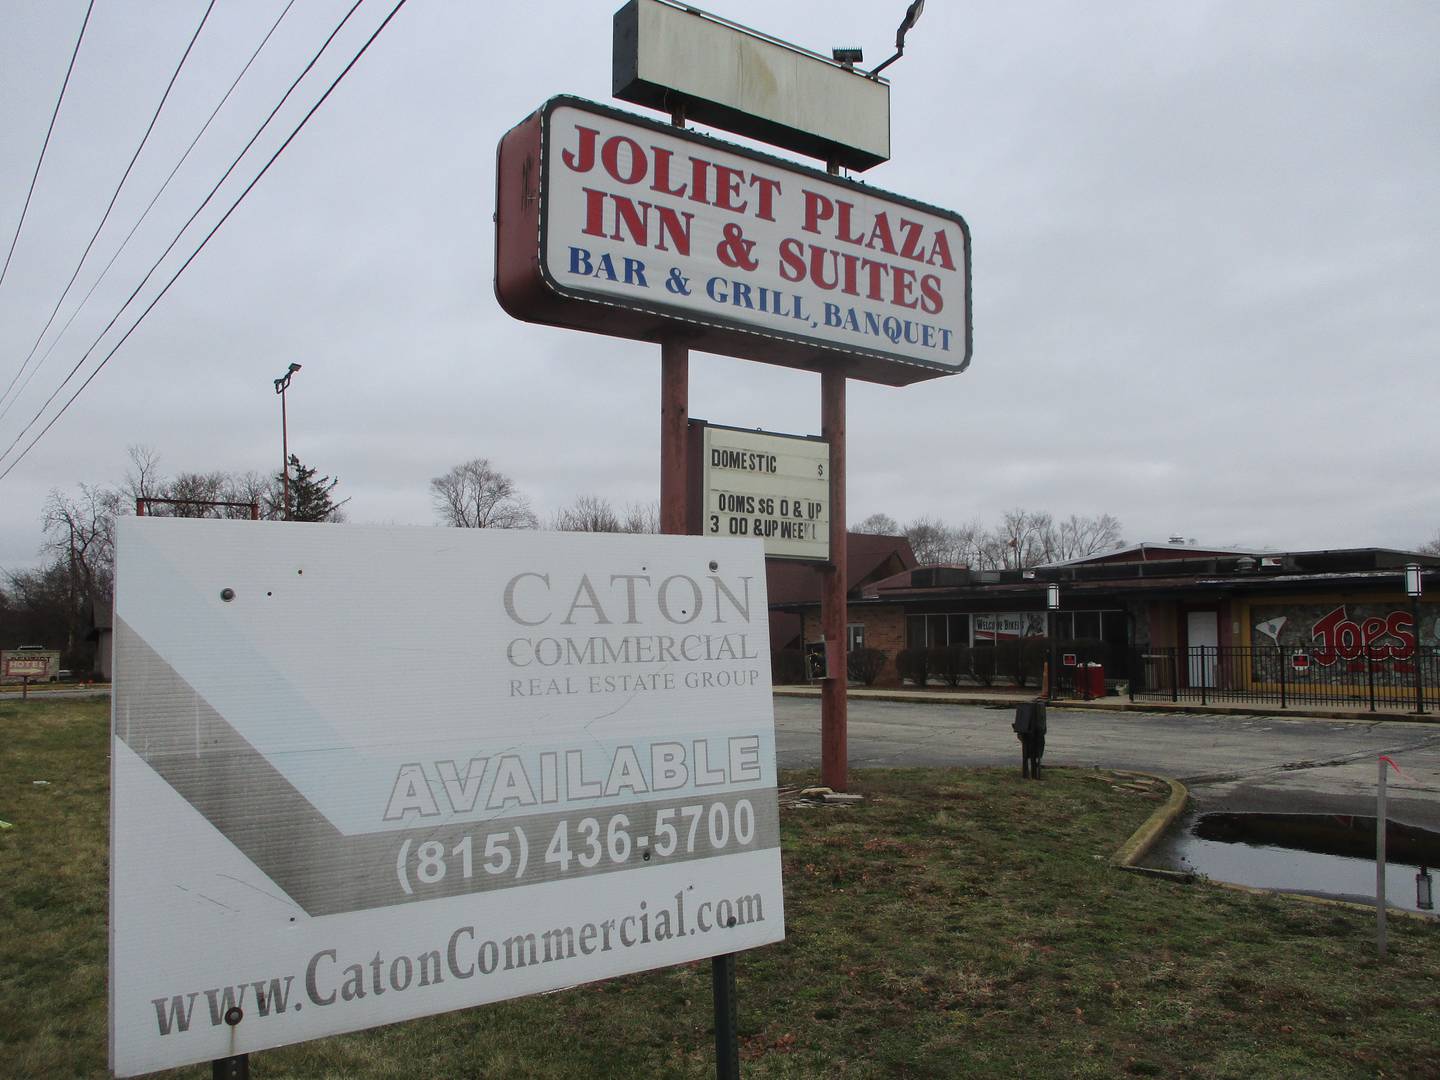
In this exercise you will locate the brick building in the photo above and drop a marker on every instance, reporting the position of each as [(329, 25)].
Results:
[(1332, 606)]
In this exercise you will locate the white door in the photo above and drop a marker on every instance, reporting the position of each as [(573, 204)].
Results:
[(1203, 631)]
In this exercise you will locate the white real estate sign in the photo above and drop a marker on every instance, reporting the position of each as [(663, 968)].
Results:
[(361, 775), (776, 487)]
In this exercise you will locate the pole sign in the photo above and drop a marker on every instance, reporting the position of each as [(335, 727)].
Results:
[(617, 224), (575, 779), (776, 487), (29, 664)]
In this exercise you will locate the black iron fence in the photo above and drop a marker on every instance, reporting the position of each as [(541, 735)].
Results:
[(1288, 676)]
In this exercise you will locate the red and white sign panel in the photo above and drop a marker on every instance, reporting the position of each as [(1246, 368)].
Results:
[(29, 664), (619, 225), (572, 775)]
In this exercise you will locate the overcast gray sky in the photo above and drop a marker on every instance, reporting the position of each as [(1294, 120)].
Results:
[(1204, 240)]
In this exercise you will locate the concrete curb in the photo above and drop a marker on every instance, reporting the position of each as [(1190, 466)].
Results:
[(1114, 704), (1143, 839)]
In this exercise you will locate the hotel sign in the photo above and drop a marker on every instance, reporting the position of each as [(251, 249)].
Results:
[(775, 487), (584, 788), (29, 663), (619, 225)]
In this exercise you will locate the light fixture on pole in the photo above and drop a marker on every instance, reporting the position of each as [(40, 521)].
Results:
[(1414, 587), (912, 16), (281, 385), (1052, 605)]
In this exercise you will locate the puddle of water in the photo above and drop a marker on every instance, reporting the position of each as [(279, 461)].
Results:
[(1320, 855)]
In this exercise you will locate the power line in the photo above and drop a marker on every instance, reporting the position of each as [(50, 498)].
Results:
[(180, 234), (146, 213), (151, 306), (46, 145), (106, 217)]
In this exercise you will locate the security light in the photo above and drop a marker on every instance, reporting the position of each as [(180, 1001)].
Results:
[(283, 383), (1052, 596), (1414, 587), (912, 16)]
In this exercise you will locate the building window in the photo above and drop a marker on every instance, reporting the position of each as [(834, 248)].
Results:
[(915, 631), (936, 631), (855, 636)]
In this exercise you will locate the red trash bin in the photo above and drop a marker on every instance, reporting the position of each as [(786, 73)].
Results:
[(1091, 680)]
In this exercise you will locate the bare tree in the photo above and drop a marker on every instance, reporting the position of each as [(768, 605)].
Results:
[(143, 480), (1023, 538), (931, 539), (1077, 537), (80, 538), (1028, 539), (188, 494), (878, 525), (641, 518), (588, 513), (191, 493), (476, 495)]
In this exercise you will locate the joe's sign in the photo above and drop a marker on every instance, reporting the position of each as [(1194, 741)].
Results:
[(615, 224)]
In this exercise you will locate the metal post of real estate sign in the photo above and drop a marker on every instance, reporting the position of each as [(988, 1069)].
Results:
[(674, 516), (674, 520)]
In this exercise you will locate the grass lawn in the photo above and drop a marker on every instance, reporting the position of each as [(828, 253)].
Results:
[(958, 923)]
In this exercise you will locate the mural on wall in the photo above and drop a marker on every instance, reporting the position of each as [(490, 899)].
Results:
[(1345, 634)]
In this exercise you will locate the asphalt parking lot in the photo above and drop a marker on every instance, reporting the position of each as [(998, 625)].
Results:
[(1290, 764)]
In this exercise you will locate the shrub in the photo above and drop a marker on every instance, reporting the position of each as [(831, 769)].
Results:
[(951, 663), (982, 664), (1034, 652), (914, 664), (865, 665), (1007, 661), (787, 667)]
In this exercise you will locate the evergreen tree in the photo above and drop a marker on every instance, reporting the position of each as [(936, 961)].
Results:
[(311, 496)]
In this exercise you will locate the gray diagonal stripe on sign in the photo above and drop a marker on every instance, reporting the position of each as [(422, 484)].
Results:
[(160, 716)]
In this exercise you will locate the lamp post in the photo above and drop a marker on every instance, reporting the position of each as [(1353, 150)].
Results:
[(912, 16), (1052, 605), (281, 385), (1414, 587)]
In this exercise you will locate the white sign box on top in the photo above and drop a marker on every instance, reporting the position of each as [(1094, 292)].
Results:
[(776, 487), (362, 775)]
